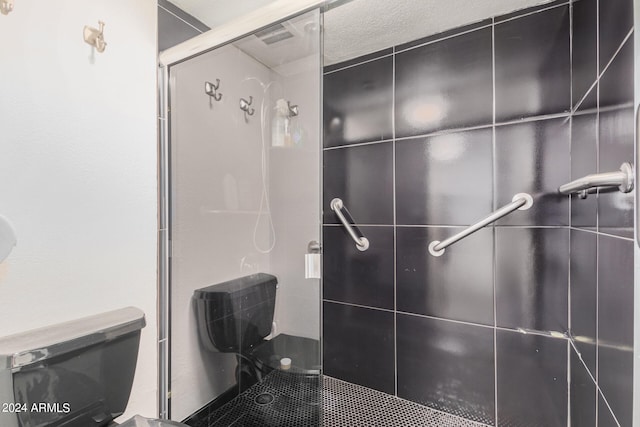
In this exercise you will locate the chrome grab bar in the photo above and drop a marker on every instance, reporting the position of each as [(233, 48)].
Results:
[(521, 201), (623, 179), (362, 243)]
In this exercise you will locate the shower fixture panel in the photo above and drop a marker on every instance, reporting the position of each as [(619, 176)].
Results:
[(521, 201), (211, 89), (623, 179)]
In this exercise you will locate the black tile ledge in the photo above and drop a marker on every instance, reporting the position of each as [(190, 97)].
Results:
[(443, 35), (357, 61), (530, 10)]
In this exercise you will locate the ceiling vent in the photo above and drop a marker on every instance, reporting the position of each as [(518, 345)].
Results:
[(274, 34)]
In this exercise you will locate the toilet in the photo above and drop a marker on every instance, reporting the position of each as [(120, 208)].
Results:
[(73, 374), (236, 316)]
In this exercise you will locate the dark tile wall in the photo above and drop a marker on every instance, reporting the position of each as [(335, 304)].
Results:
[(531, 279), (533, 65), (531, 379), (359, 345), (459, 379), (460, 71), (428, 137), (601, 324)]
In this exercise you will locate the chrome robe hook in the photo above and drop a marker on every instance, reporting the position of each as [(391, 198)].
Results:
[(246, 106), (6, 6), (211, 89), (95, 37)]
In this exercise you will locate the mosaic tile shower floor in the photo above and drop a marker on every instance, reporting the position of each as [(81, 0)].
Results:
[(285, 400)]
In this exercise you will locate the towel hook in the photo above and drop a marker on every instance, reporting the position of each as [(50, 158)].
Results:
[(6, 6), (95, 37), (211, 89), (246, 106), (293, 110)]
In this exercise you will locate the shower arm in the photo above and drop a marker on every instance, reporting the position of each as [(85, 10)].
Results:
[(521, 201), (623, 179), (362, 243)]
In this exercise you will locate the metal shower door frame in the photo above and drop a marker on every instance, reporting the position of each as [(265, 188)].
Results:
[(636, 310)]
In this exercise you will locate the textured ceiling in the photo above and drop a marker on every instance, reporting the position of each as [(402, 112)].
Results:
[(358, 27)]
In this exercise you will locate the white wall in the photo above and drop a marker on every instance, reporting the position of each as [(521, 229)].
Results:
[(216, 192), (216, 189), (78, 169)]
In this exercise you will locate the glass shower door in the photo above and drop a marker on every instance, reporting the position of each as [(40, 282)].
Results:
[(244, 127)]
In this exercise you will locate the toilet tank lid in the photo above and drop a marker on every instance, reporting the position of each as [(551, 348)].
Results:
[(26, 348), (236, 287)]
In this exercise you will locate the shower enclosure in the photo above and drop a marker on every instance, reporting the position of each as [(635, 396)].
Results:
[(380, 149), (242, 197)]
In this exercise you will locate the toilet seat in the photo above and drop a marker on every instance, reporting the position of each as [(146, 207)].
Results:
[(303, 352)]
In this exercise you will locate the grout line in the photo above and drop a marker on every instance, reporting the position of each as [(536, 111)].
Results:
[(570, 212), (493, 230), (460, 322), (587, 93), (538, 333), (425, 316), (597, 88), (491, 225), (606, 67), (600, 233), (358, 305), (569, 382), (359, 225), (599, 392), (358, 144), (181, 19), (395, 244), (571, 53), (607, 109), (565, 114), (616, 107), (444, 132), (440, 39), (360, 63), (466, 226), (535, 118), (534, 12), (615, 54)]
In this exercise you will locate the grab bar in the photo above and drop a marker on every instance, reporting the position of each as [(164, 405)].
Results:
[(623, 179), (361, 242), (521, 201)]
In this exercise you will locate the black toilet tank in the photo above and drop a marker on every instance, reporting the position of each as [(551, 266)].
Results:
[(236, 315)]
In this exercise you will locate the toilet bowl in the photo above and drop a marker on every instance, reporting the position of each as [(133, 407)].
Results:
[(73, 374), (236, 316)]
